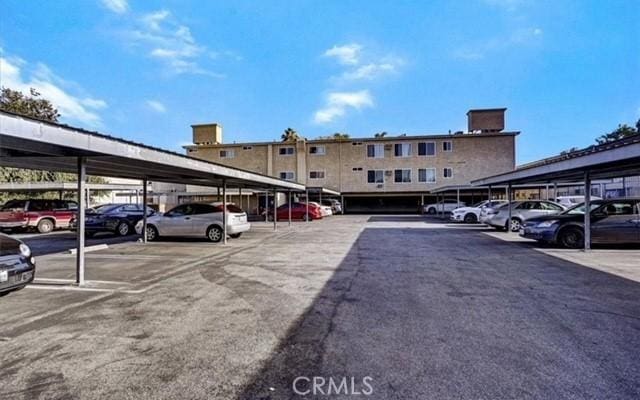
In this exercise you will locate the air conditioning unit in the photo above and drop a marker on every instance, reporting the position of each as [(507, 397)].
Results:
[(380, 186), (388, 172)]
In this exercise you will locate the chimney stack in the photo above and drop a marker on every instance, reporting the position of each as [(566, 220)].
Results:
[(489, 120), (205, 134)]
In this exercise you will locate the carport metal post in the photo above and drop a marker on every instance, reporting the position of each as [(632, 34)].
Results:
[(509, 192), (587, 211), (240, 196), (82, 177), (266, 206), (458, 197), (306, 193), (224, 211), (275, 208), (320, 197), (289, 207), (489, 194), (144, 210)]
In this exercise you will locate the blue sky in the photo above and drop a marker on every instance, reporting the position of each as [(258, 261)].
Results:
[(146, 70)]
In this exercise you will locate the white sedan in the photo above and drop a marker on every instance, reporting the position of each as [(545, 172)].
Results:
[(442, 206), (197, 220), (471, 215)]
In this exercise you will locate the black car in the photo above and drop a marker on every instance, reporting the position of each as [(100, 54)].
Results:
[(119, 219), (612, 221), (17, 265)]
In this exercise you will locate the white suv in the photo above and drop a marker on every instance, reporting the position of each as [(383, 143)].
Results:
[(196, 219)]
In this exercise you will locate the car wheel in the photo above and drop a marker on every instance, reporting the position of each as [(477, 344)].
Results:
[(431, 210), (45, 226), (572, 238), (123, 229), (152, 233), (305, 218), (515, 224), (236, 235), (470, 218), (214, 234)]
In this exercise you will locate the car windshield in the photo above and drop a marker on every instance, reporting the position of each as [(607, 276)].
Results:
[(579, 209), (478, 205), (14, 205)]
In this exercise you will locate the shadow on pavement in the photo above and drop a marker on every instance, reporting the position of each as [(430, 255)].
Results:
[(488, 319)]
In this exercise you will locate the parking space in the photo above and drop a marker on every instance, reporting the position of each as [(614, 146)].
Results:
[(427, 309)]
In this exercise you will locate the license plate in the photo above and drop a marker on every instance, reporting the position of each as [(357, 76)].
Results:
[(522, 231), (4, 276)]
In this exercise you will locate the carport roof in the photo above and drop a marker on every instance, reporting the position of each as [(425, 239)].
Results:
[(470, 187), (323, 190), (34, 144), (610, 160)]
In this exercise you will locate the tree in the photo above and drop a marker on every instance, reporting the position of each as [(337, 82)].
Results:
[(380, 134), (621, 132), (335, 136), (290, 135), (32, 106)]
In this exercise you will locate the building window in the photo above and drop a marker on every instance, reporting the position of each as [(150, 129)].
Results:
[(286, 151), (247, 147), (402, 149), (227, 153), (427, 175), (317, 150), (357, 168), (356, 143), (375, 150), (402, 176), (427, 149), (448, 173), (375, 176), (287, 175), (316, 174), (447, 146)]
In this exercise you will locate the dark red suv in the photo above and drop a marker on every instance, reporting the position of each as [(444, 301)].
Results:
[(43, 215)]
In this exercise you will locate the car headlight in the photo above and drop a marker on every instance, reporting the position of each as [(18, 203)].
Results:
[(547, 224), (25, 250)]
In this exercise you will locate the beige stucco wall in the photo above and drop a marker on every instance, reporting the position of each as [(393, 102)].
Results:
[(473, 156)]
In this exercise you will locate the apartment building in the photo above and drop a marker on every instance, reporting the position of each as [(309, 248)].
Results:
[(391, 173)]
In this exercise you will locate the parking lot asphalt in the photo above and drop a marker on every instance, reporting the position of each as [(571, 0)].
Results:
[(427, 310)]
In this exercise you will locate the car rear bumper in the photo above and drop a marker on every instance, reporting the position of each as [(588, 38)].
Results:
[(232, 229)]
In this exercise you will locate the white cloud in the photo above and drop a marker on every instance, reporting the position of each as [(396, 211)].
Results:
[(348, 54), (117, 6), (372, 70), (337, 104), (156, 106), (163, 38), (361, 64), (18, 75)]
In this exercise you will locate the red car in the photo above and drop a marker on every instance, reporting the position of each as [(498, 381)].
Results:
[(298, 211), (43, 215)]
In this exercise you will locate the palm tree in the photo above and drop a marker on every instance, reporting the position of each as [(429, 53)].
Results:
[(290, 135), (380, 134)]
